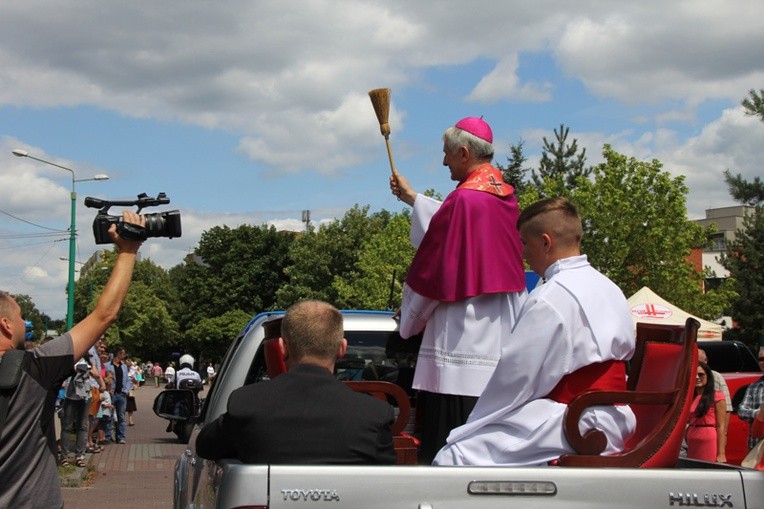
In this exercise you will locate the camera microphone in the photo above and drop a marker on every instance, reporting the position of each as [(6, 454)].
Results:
[(94, 203)]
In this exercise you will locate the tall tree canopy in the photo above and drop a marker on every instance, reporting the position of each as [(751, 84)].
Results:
[(209, 338), (381, 268), (318, 257), (636, 229), (233, 268), (514, 173), (744, 259), (145, 326), (561, 163)]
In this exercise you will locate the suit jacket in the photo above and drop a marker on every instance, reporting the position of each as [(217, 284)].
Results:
[(303, 416)]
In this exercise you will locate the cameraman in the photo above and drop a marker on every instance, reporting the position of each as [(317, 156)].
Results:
[(27, 444)]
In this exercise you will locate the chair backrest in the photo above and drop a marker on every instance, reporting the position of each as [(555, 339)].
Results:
[(660, 392), (655, 369), (274, 361)]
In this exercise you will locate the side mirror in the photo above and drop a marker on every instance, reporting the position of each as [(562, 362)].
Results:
[(173, 404)]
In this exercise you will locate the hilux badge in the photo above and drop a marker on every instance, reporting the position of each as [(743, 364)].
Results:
[(705, 500)]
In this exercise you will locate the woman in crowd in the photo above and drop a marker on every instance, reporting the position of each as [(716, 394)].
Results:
[(707, 435)]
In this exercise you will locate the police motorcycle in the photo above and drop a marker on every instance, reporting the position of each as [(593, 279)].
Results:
[(180, 404)]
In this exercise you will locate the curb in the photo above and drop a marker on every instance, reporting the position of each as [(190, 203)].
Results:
[(74, 476)]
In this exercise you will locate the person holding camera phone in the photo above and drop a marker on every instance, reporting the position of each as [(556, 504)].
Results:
[(27, 445)]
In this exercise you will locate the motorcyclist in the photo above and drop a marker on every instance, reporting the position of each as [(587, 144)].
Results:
[(186, 372), (184, 376)]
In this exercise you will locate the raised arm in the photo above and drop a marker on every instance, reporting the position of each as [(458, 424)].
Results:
[(92, 327)]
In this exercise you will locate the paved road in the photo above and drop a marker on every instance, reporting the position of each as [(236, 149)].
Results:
[(138, 474)]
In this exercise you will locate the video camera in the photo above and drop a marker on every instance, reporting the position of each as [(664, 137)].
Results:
[(160, 224)]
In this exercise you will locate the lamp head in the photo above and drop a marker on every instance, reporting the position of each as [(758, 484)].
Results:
[(20, 153)]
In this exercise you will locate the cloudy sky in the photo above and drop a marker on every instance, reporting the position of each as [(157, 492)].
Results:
[(252, 111)]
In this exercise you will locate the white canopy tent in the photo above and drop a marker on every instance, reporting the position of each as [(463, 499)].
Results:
[(649, 307)]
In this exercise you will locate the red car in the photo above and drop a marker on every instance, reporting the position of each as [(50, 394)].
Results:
[(739, 367)]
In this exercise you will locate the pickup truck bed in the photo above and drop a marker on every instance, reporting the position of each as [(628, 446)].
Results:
[(422, 487)]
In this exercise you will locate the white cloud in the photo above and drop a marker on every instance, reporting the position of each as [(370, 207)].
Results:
[(644, 52), (503, 83), (285, 78), (731, 142), (290, 83)]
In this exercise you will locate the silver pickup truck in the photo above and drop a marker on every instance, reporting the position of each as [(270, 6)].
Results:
[(377, 352)]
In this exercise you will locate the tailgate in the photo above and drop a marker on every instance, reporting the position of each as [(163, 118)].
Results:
[(500, 487)]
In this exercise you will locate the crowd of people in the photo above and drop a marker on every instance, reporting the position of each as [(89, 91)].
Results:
[(97, 401), (495, 371)]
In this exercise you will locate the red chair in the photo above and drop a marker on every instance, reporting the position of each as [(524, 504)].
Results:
[(274, 360), (405, 445), (660, 391)]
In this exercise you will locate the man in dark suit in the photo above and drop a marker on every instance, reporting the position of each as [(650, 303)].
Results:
[(306, 415)]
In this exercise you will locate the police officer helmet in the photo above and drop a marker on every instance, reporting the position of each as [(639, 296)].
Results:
[(187, 359)]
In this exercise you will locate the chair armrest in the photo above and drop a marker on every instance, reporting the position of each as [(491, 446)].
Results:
[(382, 390), (594, 441)]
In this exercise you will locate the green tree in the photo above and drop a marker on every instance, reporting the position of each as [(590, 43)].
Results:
[(382, 263), (232, 268), (144, 325), (210, 337), (561, 164), (636, 229), (743, 191), (515, 171), (94, 278), (754, 103), (748, 193), (744, 259), (319, 256), (40, 321)]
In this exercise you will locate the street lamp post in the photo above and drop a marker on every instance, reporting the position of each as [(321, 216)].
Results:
[(72, 232)]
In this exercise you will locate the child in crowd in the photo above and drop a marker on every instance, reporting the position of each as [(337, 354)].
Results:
[(105, 413)]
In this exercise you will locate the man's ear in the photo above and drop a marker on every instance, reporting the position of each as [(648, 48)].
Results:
[(284, 348), (547, 240), (5, 327), (343, 349)]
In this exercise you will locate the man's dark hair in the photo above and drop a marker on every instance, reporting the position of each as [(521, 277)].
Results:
[(564, 222)]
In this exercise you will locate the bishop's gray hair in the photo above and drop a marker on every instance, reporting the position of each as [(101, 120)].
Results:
[(454, 138)]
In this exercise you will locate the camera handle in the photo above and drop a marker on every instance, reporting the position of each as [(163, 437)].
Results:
[(131, 231)]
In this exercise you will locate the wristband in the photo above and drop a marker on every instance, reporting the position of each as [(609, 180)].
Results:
[(131, 231)]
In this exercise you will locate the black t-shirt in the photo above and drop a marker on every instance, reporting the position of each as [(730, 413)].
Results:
[(118, 382)]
